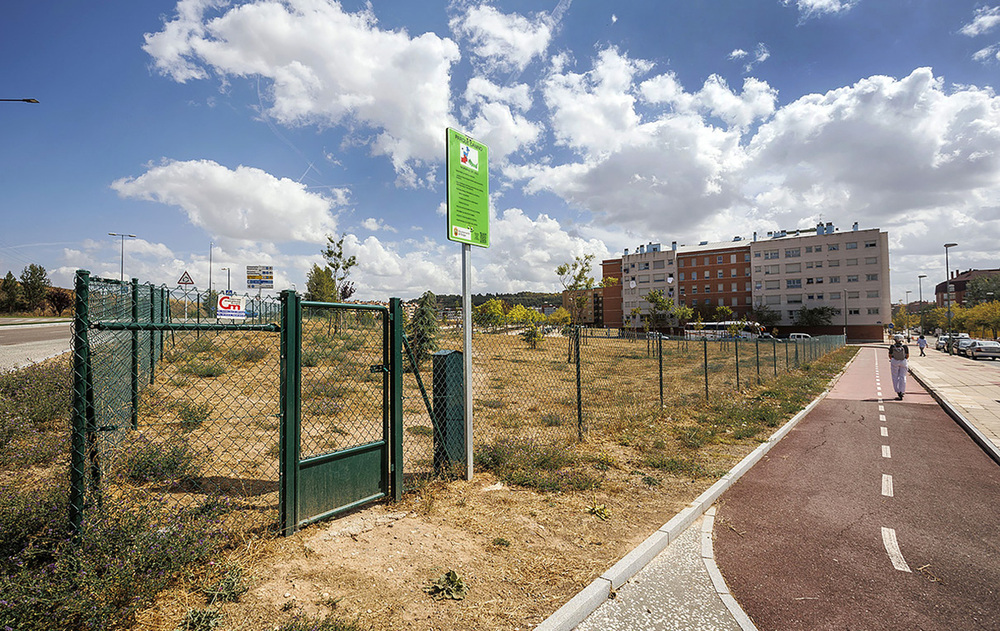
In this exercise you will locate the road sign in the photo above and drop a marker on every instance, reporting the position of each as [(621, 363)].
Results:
[(260, 277), (185, 279), (230, 307), (468, 189)]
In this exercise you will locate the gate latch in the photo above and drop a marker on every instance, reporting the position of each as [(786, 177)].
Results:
[(378, 368)]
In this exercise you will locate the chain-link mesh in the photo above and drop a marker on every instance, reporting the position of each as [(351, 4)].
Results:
[(173, 407), (528, 384), (343, 379)]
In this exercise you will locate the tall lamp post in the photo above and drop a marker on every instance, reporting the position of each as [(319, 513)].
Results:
[(947, 288), (227, 277), (20, 100), (123, 236), (906, 314), (920, 288)]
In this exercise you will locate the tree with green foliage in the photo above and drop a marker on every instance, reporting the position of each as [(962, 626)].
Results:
[(766, 317), (723, 313), (683, 313), (659, 305), (982, 289), (10, 293), (319, 284), (338, 264), (815, 316), (575, 278), (491, 314), (422, 330), (34, 286), (559, 318), (532, 335)]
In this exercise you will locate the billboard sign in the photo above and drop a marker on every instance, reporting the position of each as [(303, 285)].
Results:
[(230, 306)]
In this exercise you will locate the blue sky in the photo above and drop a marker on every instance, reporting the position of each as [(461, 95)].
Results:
[(257, 127)]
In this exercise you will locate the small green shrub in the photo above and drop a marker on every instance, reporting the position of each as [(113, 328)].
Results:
[(551, 419), (148, 461), (677, 466), (420, 430), (248, 354), (330, 623), (228, 588), (543, 466), (449, 586), (200, 620), (203, 344), (193, 414)]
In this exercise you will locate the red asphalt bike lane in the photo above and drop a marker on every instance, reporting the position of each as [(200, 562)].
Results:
[(803, 539)]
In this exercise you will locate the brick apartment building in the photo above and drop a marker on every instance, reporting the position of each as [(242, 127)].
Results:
[(783, 272), (959, 284)]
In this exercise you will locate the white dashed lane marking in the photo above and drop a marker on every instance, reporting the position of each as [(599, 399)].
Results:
[(886, 453), (892, 547), (886, 485), (884, 431)]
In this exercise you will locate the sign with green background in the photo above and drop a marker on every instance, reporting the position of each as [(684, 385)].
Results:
[(468, 190)]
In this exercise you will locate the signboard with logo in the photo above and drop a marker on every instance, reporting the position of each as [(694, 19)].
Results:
[(230, 306), (185, 279), (468, 190), (260, 277)]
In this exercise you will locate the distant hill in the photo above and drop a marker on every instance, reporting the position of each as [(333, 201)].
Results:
[(526, 298)]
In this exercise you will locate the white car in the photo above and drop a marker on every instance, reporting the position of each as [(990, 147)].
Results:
[(983, 348)]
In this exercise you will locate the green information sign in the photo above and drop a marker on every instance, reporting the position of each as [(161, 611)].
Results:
[(468, 190)]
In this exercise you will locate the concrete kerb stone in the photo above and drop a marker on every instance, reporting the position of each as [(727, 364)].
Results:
[(587, 601), (980, 439)]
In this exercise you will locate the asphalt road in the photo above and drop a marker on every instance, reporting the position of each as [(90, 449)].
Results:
[(869, 515), (29, 343)]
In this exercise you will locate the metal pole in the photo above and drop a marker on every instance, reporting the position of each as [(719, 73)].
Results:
[(757, 350), (467, 352), (704, 344), (774, 347), (135, 355), (736, 343), (920, 288), (947, 288), (81, 363), (579, 389), (659, 344)]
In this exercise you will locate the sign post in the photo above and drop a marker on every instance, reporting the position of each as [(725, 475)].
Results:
[(468, 204), (184, 281)]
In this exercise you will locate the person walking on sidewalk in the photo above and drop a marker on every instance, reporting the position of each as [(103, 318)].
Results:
[(922, 344), (898, 354)]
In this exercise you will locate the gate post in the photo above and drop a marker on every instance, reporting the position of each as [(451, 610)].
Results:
[(291, 409), (395, 411), (81, 364)]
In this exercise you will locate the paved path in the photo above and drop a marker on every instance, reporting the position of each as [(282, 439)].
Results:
[(28, 343), (931, 505)]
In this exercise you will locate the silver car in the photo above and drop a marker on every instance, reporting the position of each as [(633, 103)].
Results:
[(983, 348)]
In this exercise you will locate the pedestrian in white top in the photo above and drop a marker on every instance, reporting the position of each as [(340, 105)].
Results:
[(898, 354), (922, 344)]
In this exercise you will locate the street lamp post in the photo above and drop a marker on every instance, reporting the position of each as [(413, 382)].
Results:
[(947, 288), (227, 278), (906, 314), (920, 288), (130, 236)]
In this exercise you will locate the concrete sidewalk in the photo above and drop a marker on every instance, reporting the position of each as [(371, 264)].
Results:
[(967, 389), (677, 587)]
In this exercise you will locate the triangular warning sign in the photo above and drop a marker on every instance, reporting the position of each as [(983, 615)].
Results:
[(185, 279)]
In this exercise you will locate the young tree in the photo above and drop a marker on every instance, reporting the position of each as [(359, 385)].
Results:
[(560, 318), (723, 313), (659, 305), (983, 289), (683, 313), (422, 330), (60, 300), (319, 284), (766, 317), (34, 286), (339, 265), (575, 278), (491, 313), (816, 316), (10, 293)]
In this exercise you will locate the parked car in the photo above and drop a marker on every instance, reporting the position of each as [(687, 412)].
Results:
[(983, 348), (962, 345), (942, 343), (799, 336)]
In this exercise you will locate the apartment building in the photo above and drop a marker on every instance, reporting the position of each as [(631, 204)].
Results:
[(959, 282), (782, 272)]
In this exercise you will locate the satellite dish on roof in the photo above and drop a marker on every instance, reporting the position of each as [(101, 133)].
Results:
[(631, 284)]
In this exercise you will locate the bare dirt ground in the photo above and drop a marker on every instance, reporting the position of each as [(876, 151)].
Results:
[(522, 554)]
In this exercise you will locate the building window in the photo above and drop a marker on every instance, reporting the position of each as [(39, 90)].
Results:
[(694, 303), (758, 268), (834, 295), (792, 314), (659, 264), (682, 291), (870, 244), (718, 260), (708, 260), (772, 300), (809, 265), (872, 310), (809, 281), (833, 247), (793, 283), (873, 293), (852, 278), (719, 274), (643, 266), (681, 276), (756, 255), (819, 264), (853, 245), (644, 278), (810, 296), (746, 270), (748, 286), (708, 301), (851, 262), (659, 278), (694, 289), (835, 263), (793, 268), (853, 295), (770, 254), (772, 284), (746, 257), (721, 288), (819, 296), (871, 276), (871, 260), (708, 289), (734, 287), (853, 311), (835, 279), (732, 272), (694, 275), (757, 285), (809, 249), (792, 252)]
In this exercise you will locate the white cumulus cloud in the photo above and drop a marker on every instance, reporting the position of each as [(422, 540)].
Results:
[(505, 42), (244, 204), (325, 66), (815, 8), (986, 19)]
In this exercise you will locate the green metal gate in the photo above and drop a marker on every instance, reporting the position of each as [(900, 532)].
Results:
[(341, 425)]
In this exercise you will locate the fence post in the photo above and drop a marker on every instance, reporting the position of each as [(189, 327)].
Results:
[(796, 353), (396, 397), (756, 343), (81, 364), (786, 355), (290, 410), (579, 389), (152, 335), (704, 345), (659, 348), (774, 348), (736, 344), (135, 354)]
